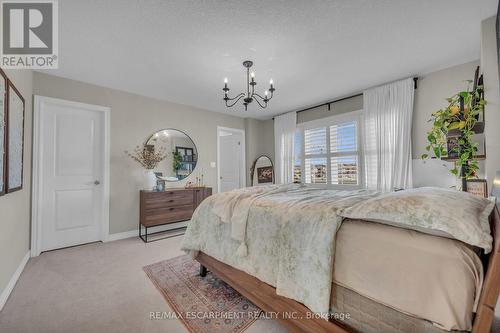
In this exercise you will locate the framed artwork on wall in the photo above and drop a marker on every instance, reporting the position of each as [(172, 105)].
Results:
[(478, 187), (3, 131), (15, 138), (265, 175)]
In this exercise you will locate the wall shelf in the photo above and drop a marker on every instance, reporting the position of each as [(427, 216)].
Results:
[(454, 159)]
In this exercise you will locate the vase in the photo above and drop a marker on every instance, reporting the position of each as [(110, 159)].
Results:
[(149, 180)]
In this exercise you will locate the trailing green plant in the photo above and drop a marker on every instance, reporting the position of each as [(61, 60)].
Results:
[(177, 160), (453, 118)]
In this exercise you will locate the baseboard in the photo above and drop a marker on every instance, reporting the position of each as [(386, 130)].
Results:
[(135, 233), (13, 280)]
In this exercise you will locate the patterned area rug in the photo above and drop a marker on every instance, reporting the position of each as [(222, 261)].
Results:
[(204, 305)]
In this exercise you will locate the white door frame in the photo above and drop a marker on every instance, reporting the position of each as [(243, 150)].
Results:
[(36, 230), (243, 178)]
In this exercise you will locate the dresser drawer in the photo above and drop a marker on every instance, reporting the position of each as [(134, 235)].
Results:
[(172, 205), (163, 201), (151, 195), (163, 215)]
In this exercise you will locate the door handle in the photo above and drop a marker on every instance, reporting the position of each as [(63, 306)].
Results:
[(96, 182)]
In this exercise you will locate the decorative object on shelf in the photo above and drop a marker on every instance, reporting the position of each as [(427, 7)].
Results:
[(149, 179), (3, 130), (148, 157), (15, 138), (478, 187), (250, 95), (182, 158), (198, 182), (167, 178), (160, 183), (262, 171), (454, 127)]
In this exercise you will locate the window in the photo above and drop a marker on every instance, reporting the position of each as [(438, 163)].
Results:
[(327, 151)]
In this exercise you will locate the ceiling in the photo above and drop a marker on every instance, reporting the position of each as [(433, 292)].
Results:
[(315, 51)]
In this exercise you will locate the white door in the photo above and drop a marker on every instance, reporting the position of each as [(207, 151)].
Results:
[(71, 167), (231, 159)]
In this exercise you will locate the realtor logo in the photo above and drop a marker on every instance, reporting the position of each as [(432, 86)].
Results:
[(29, 34)]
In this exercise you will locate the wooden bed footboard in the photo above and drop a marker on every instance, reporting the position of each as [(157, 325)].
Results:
[(299, 319), (291, 314), (491, 286)]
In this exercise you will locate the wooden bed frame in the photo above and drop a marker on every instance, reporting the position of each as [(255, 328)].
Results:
[(264, 296)]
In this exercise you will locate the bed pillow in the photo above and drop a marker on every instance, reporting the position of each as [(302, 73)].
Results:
[(432, 210)]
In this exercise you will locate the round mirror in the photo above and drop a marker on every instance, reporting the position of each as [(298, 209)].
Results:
[(262, 171), (182, 155)]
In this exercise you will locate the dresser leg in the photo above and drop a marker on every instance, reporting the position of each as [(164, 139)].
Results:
[(203, 271)]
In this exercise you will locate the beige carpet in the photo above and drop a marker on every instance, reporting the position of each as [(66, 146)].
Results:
[(96, 288)]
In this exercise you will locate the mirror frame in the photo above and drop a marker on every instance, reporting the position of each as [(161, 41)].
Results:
[(190, 138), (252, 169)]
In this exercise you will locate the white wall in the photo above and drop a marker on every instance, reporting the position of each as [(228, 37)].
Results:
[(489, 64), (260, 141), (15, 207)]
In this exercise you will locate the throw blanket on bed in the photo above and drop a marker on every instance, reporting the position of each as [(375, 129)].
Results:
[(303, 226), (233, 207)]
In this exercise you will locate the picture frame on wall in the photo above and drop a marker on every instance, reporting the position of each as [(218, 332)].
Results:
[(478, 187), (15, 138), (3, 131), (265, 175)]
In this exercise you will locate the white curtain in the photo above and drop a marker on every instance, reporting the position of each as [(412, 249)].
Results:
[(284, 132), (387, 135)]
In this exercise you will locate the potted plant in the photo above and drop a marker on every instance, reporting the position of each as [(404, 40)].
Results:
[(460, 116), (148, 157)]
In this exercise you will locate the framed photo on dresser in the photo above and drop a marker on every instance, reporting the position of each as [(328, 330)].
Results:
[(15, 138), (3, 131)]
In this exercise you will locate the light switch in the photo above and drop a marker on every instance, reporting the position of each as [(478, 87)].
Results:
[(213, 164)]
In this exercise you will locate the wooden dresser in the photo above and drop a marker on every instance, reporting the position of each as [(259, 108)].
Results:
[(169, 206)]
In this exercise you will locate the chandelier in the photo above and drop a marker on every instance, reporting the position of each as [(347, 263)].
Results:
[(250, 95)]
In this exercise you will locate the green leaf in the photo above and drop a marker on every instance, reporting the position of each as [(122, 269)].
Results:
[(424, 156), (437, 152)]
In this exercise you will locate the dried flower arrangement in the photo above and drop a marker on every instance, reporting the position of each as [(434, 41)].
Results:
[(147, 156)]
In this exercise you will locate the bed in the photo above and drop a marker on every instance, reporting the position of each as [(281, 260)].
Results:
[(389, 278)]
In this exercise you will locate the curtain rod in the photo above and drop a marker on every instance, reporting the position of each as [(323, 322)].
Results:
[(415, 79)]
